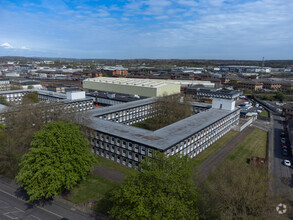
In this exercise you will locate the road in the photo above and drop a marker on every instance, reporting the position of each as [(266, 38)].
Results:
[(14, 207), (282, 175)]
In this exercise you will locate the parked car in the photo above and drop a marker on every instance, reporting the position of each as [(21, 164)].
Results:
[(282, 134), (287, 163), (283, 140), (285, 152)]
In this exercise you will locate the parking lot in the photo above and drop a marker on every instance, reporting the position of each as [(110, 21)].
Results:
[(249, 107)]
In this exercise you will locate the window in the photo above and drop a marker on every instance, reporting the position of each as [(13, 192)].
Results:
[(150, 152), (124, 144), (142, 150)]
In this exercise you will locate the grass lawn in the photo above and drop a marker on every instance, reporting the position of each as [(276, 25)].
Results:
[(199, 159), (94, 188), (140, 125), (264, 113), (109, 164), (255, 144)]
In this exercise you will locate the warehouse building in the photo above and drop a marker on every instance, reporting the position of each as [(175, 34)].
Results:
[(112, 137), (141, 87)]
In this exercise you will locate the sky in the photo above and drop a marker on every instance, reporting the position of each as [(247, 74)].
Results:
[(154, 29)]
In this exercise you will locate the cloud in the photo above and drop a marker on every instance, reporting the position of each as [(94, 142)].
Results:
[(225, 28), (7, 46), (189, 3), (24, 48)]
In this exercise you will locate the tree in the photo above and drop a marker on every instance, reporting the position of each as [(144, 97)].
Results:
[(236, 191), (280, 96), (168, 110), (58, 159), (162, 190), (15, 87), (30, 98), (3, 100), (21, 123), (30, 87)]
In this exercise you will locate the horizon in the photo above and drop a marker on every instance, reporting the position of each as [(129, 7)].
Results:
[(148, 29)]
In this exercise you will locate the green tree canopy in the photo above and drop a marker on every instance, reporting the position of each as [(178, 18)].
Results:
[(280, 96), (31, 97), (3, 100), (58, 159), (162, 190)]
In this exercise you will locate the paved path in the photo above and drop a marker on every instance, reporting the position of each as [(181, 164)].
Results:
[(263, 125), (14, 207), (210, 164)]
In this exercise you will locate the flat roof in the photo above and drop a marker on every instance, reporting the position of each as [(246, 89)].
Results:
[(145, 82), (160, 139)]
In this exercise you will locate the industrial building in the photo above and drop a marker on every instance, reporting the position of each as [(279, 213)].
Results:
[(112, 137), (141, 87)]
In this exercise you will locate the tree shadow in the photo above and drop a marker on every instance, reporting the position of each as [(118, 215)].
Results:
[(22, 194)]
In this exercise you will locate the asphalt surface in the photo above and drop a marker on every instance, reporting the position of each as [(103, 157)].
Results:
[(211, 163), (282, 175), (13, 206)]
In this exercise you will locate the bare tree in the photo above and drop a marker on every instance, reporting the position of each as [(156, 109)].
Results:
[(21, 123), (236, 191), (168, 110)]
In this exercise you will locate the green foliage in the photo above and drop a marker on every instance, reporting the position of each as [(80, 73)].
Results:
[(280, 96), (162, 190), (58, 159), (31, 97), (3, 100), (30, 87)]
